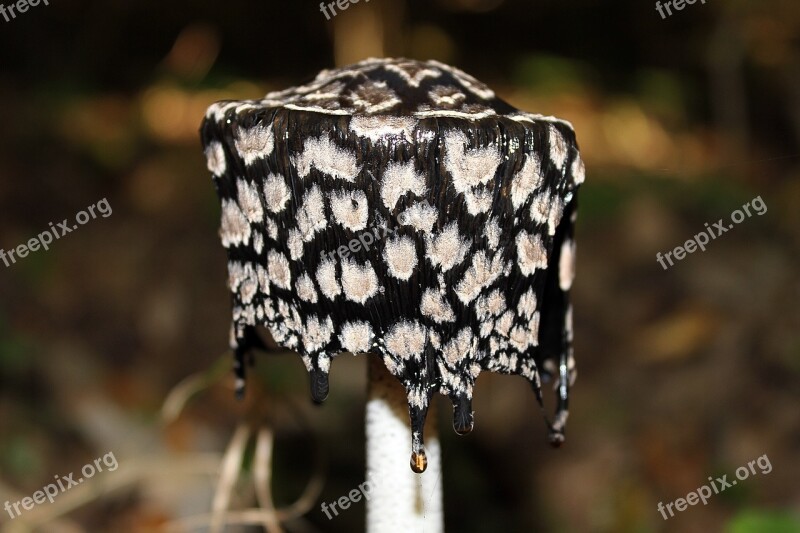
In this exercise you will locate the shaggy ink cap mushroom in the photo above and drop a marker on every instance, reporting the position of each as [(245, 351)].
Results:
[(399, 208)]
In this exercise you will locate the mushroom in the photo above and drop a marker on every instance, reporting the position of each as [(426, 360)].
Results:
[(399, 208)]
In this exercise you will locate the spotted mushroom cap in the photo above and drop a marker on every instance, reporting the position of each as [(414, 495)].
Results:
[(399, 208)]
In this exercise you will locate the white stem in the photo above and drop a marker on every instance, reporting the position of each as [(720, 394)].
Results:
[(399, 499)]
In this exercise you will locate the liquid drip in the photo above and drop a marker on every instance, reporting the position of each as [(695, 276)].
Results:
[(419, 462), (319, 385), (463, 420)]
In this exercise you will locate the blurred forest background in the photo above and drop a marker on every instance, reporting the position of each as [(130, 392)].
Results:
[(682, 374)]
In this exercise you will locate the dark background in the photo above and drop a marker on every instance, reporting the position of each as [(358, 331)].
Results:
[(682, 374)]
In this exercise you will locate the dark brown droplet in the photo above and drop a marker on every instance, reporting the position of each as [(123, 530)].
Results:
[(556, 439), (419, 462)]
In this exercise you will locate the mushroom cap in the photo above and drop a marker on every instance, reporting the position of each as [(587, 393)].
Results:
[(400, 208), (386, 87)]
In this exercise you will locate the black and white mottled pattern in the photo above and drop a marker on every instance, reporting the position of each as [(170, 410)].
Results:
[(470, 204)]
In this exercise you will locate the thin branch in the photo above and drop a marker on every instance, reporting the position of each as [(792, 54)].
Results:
[(306, 500), (262, 474), (181, 393), (231, 465)]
